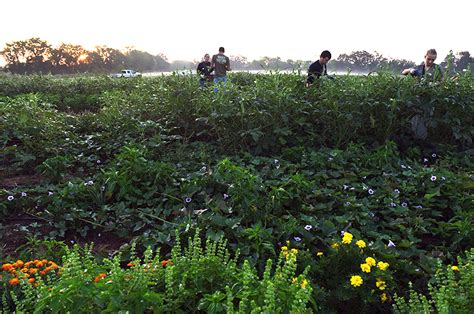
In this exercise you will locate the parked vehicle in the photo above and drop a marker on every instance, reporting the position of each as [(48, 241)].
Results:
[(127, 73)]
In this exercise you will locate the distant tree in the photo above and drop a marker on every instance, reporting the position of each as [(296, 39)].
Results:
[(463, 60), (362, 61), (67, 58), (112, 59), (139, 60), (161, 63), (398, 65), (27, 56), (239, 62)]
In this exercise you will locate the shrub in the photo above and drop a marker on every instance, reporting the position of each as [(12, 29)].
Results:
[(195, 278), (451, 290)]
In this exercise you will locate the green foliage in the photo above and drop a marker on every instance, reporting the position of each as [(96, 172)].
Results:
[(451, 290), (264, 162), (48, 249), (333, 268), (195, 278)]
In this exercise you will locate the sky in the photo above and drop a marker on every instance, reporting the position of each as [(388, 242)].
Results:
[(297, 29)]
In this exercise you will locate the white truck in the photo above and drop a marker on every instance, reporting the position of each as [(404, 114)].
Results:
[(127, 73)]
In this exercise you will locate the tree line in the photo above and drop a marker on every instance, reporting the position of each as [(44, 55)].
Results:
[(35, 55)]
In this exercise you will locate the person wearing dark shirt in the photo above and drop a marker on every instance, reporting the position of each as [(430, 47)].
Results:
[(220, 64), (428, 69), (318, 68), (204, 71)]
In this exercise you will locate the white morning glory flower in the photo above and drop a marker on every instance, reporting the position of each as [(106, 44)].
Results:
[(404, 204), (10, 198), (433, 178), (188, 200), (391, 244), (308, 227), (396, 191), (276, 163), (23, 194), (297, 239), (371, 191)]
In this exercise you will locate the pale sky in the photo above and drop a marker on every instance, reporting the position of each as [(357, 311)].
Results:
[(297, 29)]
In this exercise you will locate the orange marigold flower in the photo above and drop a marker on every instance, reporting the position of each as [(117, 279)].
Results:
[(131, 264), (19, 263), (45, 261), (24, 270), (31, 280), (14, 281), (27, 264), (27, 275), (39, 264), (33, 270), (42, 273), (99, 277), (6, 266), (166, 262)]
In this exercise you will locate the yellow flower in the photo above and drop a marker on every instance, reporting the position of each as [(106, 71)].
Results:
[(304, 284), (284, 248), (384, 297), (356, 281), (294, 281), (370, 261), (335, 246), (455, 268), (361, 244), (382, 266), (319, 254), (347, 238), (365, 268), (380, 284), (294, 251)]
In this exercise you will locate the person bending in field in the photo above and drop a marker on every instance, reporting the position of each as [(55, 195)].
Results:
[(427, 69), (204, 71), (220, 64), (318, 68)]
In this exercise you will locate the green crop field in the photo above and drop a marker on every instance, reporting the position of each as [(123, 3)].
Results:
[(355, 195)]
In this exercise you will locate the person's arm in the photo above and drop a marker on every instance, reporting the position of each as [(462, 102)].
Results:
[(407, 71), (213, 62), (228, 64)]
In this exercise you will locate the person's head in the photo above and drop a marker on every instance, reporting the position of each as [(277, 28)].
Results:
[(325, 57), (221, 50), (430, 57), (206, 57)]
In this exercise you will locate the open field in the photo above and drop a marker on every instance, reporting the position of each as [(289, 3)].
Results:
[(266, 164)]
